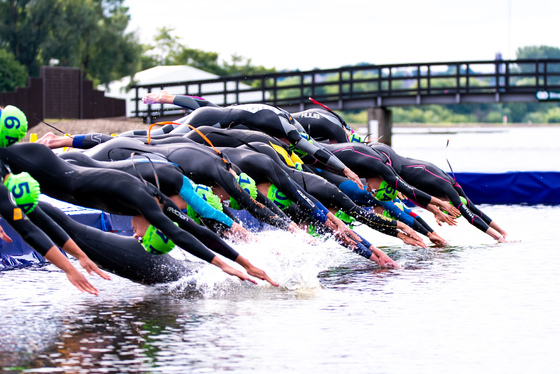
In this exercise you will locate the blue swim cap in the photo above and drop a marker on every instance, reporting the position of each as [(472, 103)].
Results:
[(13, 126)]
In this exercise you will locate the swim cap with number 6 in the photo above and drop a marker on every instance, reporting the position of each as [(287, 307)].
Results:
[(13, 126)]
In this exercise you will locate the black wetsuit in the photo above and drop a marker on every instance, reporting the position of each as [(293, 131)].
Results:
[(325, 192), (163, 174), (113, 191), (199, 163), (434, 181), (260, 117), (28, 231), (322, 125), (121, 255)]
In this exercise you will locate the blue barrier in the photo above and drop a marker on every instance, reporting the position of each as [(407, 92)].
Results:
[(18, 253), (531, 188)]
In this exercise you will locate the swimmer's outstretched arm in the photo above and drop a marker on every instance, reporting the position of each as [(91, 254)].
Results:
[(184, 101), (85, 262), (74, 276)]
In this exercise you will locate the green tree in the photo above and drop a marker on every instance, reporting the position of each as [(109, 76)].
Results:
[(89, 34), (538, 52), (12, 73)]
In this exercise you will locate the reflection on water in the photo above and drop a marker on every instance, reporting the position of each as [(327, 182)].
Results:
[(472, 306)]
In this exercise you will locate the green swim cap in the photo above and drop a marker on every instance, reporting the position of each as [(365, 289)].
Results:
[(348, 219), (210, 197), (278, 197), (248, 184), (13, 126), (155, 242), (355, 138), (463, 200), (25, 189), (385, 192)]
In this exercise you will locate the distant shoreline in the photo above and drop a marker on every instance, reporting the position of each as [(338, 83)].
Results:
[(121, 124)]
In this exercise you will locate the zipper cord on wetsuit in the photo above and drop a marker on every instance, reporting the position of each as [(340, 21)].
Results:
[(452, 173), (138, 172), (48, 124), (343, 121), (329, 109), (224, 158)]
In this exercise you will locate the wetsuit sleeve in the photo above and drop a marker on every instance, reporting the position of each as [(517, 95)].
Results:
[(375, 221), (86, 141), (256, 209), (191, 102), (28, 231), (317, 151), (204, 209), (394, 180), (405, 217), (49, 226), (204, 235)]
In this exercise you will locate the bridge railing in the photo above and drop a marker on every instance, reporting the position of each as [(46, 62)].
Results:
[(365, 86)]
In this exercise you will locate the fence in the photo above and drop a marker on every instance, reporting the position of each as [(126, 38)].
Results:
[(61, 92)]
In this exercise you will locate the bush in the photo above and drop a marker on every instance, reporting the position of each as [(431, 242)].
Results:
[(12, 73)]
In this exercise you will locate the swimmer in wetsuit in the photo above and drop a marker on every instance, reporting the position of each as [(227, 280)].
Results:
[(120, 193), (13, 127), (173, 183), (326, 126), (434, 181), (42, 244), (261, 117), (122, 255), (379, 162), (197, 162)]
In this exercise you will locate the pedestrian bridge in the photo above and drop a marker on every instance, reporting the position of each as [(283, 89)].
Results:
[(376, 88)]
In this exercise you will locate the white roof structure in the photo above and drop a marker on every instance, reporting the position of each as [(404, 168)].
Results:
[(167, 75)]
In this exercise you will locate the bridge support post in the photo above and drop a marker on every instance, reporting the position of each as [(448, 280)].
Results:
[(384, 119)]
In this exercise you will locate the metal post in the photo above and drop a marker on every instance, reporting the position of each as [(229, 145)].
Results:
[(384, 119)]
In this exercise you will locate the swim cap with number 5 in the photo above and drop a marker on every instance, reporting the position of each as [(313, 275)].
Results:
[(13, 126), (25, 189)]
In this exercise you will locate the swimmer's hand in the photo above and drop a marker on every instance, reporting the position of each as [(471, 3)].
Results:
[(410, 232), (91, 267), (238, 233), (4, 236), (454, 212), (436, 239), (410, 240), (381, 259), (254, 271), (444, 218), (160, 97), (81, 283), (353, 177)]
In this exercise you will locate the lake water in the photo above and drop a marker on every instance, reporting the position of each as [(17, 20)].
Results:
[(473, 306)]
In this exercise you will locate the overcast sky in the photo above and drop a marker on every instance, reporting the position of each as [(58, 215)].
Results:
[(308, 34)]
